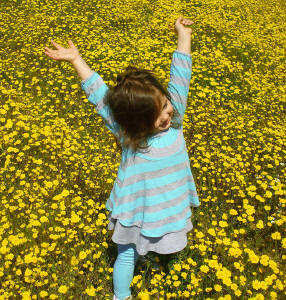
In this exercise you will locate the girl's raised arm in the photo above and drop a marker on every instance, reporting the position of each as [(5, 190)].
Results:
[(184, 35), (92, 84), (181, 66), (71, 55)]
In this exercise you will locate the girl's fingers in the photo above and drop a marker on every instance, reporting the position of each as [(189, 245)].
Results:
[(71, 44), (50, 51), (187, 22), (56, 44), (53, 56), (49, 55)]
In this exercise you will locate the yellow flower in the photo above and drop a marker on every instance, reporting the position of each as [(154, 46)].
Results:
[(259, 296), (144, 295), (63, 289), (279, 285), (74, 261), (223, 224), (200, 235), (273, 295), (213, 263), (211, 231), (28, 272), (186, 294), (263, 285), (259, 224), (43, 294), (90, 291), (268, 194), (74, 217), (105, 245), (18, 272), (65, 193), (202, 248), (217, 287), (264, 259), (82, 255), (177, 283), (242, 280), (26, 296), (175, 277), (48, 184), (276, 235), (235, 252), (256, 284), (44, 219), (204, 268)]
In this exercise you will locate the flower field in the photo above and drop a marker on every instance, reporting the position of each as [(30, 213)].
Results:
[(58, 161)]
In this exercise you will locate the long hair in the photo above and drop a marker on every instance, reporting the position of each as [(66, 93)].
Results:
[(135, 104)]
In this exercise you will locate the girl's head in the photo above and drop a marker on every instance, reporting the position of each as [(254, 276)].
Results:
[(141, 107)]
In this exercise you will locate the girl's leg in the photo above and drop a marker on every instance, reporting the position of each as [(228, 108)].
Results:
[(123, 270)]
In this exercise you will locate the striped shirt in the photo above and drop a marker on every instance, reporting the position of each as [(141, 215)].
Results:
[(154, 190)]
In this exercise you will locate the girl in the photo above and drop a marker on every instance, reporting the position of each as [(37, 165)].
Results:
[(149, 205)]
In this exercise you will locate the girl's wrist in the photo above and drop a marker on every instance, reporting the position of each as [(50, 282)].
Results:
[(184, 43), (184, 35), (76, 60)]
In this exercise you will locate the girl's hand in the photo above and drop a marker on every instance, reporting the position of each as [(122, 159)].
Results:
[(180, 26), (67, 54)]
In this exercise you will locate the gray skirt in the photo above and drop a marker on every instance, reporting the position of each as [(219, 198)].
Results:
[(169, 243)]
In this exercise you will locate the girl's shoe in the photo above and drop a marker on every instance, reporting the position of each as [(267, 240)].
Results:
[(127, 298)]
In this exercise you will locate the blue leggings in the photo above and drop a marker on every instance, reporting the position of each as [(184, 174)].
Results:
[(123, 270)]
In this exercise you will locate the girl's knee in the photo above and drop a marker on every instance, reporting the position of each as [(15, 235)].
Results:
[(128, 251)]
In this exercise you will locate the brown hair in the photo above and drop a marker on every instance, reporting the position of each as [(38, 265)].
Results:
[(135, 105)]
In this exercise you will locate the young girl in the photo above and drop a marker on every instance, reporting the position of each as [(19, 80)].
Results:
[(150, 201)]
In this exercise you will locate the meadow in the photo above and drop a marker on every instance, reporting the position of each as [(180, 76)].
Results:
[(58, 161)]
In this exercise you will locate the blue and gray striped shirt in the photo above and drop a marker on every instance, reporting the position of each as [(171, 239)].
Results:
[(153, 191)]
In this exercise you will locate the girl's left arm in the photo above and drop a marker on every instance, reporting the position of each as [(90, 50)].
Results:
[(181, 66)]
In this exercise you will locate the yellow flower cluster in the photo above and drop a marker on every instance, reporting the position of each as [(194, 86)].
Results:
[(58, 161)]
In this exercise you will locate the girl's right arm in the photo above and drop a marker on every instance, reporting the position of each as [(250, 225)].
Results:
[(92, 84), (71, 55)]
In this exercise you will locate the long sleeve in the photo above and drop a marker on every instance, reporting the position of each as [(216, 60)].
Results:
[(180, 76), (95, 90)]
